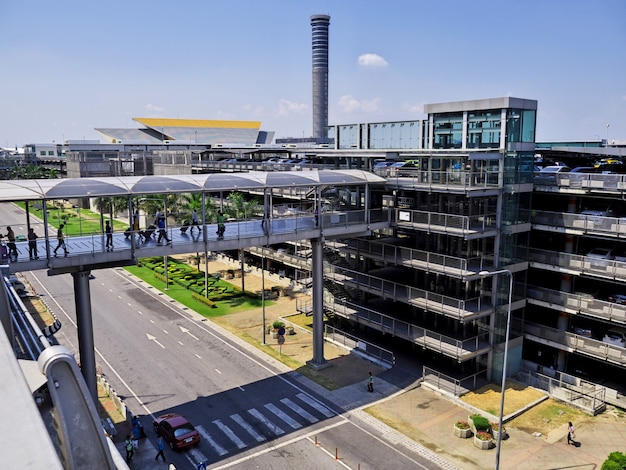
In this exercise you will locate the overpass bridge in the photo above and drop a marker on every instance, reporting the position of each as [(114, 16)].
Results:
[(73, 396)]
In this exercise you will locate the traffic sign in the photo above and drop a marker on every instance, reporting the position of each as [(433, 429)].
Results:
[(281, 339)]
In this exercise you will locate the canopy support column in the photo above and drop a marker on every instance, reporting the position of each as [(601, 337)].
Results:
[(82, 300)]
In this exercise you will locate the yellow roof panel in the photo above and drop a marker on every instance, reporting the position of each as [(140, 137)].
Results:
[(198, 123)]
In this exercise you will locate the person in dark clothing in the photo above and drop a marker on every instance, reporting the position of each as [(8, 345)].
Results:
[(32, 244), (220, 224), (109, 233), (60, 240), (370, 383)]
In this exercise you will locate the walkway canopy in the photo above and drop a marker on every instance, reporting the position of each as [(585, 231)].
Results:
[(28, 190)]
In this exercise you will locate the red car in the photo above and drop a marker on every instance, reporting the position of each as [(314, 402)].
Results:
[(176, 431)]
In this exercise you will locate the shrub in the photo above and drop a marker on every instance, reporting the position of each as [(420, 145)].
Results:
[(496, 425), (615, 461), (204, 300), (277, 324), (480, 423)]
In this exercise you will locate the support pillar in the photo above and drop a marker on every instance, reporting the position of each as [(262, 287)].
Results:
[(318, 362), (82, 300)]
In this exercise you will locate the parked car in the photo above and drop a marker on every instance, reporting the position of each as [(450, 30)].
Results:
[(384, 164), (547, 175), (607, 210), (176, 431), (617, 298), (583, 169), (17, 285), (600, 257), (586, 332), (615, 336)]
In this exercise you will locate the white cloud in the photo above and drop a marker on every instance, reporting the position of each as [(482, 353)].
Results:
[(417, 108), (349, 104), (286, 107), (154, 109), (372, 60)]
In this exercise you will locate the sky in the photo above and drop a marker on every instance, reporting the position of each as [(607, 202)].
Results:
[(71, 66)]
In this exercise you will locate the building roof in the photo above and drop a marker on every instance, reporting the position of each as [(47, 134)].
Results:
[(25, 190)]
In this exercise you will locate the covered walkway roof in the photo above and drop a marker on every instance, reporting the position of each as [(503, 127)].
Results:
[(39, 189)]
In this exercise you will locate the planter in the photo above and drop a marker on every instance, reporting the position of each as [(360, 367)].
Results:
[(495, 434), (483, 445), (462, 433)]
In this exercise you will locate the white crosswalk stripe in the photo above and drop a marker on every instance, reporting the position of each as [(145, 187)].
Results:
[(266, 422), (216, 447), (285, 417), (229, 432), (197, 455), (301, 411), (241, 422), (315, 404)]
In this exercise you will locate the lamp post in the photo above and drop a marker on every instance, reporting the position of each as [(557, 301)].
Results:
[(504, 359)]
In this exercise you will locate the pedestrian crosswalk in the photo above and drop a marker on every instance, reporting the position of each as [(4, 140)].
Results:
[(257, 425)]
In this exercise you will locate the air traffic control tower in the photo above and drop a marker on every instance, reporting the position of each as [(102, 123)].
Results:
[(319, 25)]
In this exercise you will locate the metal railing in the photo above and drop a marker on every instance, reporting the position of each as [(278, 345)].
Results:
[(351, 342), (446, 222), (456, 387), (592, 224), (579, 264)]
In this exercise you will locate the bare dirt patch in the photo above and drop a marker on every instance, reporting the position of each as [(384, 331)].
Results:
[(488, 398)]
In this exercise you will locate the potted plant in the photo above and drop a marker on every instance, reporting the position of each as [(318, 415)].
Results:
[(483, 440), (478, 423), (462, 429), (275, 327), (495, 430)]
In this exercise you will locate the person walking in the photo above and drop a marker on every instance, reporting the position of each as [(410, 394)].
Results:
[(370, 383), (60, 240), (570, 434), (195, 221), (128, 445), (163, 231), (160, 446), (220, 224), (11, 243), (108, 230), (32, 244)]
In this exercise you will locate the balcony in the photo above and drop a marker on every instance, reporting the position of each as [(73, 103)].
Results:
[(586, 183), (579, 224), (577, 264), (574, 343), (469, 227)]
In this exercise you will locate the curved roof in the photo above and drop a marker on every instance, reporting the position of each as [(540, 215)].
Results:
[(24, 190)]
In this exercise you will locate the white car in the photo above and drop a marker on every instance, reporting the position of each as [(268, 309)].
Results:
[(615, 336)]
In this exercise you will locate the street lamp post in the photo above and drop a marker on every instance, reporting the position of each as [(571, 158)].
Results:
[(504, 359)]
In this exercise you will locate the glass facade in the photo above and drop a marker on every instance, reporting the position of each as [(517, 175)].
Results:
[(483, 129), (348, 136), (520, 125), (448, 131), (394, 135)]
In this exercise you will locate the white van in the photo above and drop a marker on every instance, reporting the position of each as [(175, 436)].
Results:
[(615, 336)]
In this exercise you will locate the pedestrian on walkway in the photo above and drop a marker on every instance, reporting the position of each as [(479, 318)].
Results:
[(221, 227), (109, 233), (370, 383), (162, 231), (136, 436), (11, 243), (160, 446), (60, 240), (128, 443), (571, 435), (32, 244), (195, 221)]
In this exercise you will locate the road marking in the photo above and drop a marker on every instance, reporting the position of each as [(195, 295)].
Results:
[(216, 447), (152, 321), (266, 422), (241, 388), (244, 424), (185, 330), (197, 457), (181, 343), (286, 418), (165, 331), (217, 370), (128, 303), (199, 357), (301, 411), (229, 432), (139, 312), (153, 338), (315, 404)]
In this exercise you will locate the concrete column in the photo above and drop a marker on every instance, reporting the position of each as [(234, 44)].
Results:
[(318, 361), (82, 300)]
